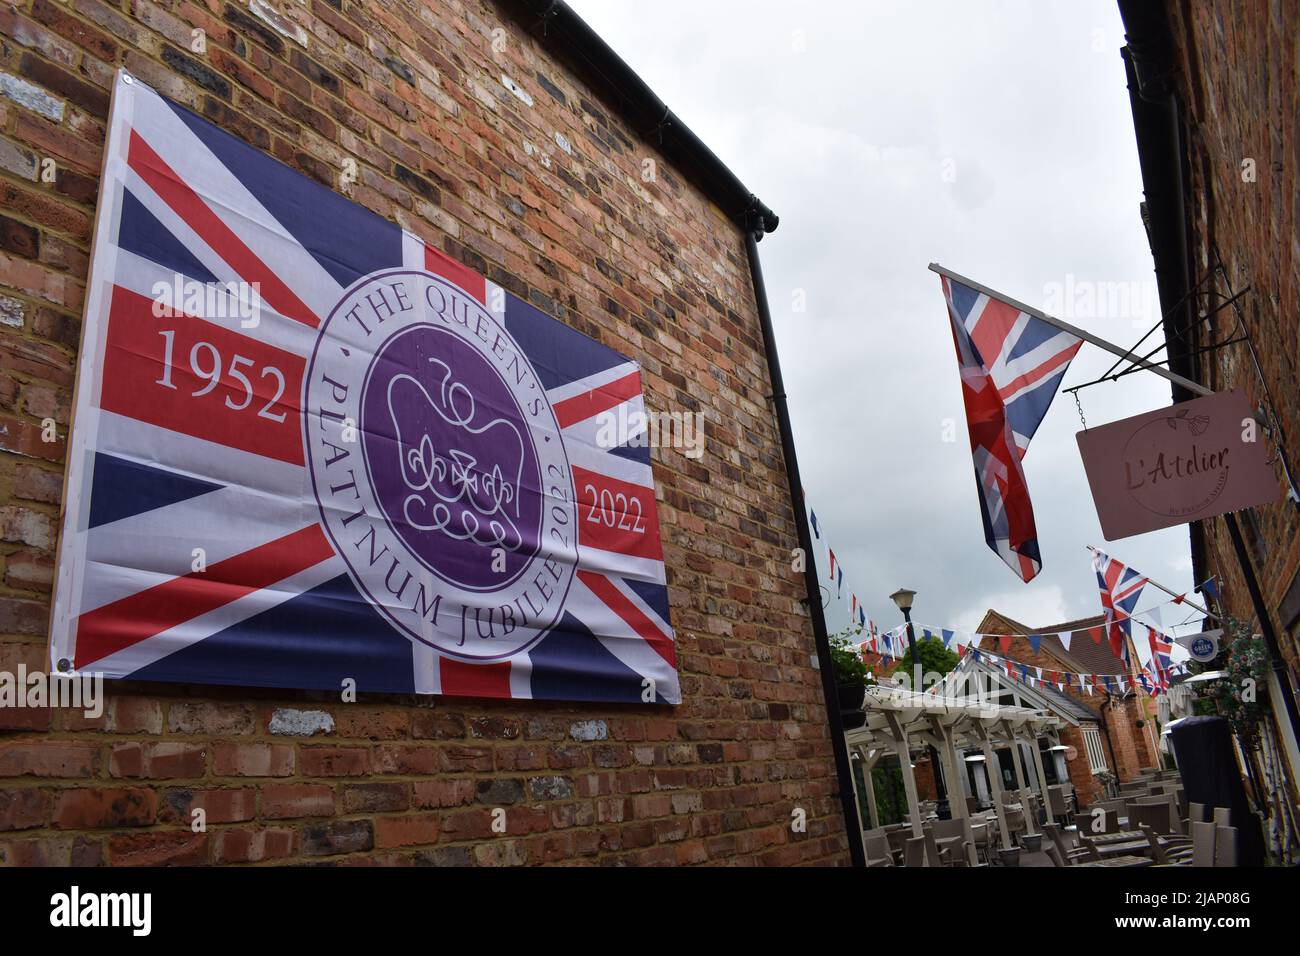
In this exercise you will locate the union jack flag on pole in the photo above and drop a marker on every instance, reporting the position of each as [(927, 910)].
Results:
[(308, 447), (1011, 360), (1120, 587), (1162, 650)]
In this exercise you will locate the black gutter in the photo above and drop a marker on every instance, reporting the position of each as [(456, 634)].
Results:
[(564, 34), (843, 765)]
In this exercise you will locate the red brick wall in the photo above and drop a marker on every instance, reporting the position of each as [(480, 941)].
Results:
[(412, 92), (1080, 771), (1247, 115)]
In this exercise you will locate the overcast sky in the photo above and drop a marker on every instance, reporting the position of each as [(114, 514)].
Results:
[(994, 137)]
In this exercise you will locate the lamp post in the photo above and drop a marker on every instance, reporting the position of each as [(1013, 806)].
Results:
[(903, 598)]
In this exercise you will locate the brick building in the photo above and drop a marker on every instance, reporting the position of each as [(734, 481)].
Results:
[(1214, 89), (1105, 730), (485, 129)]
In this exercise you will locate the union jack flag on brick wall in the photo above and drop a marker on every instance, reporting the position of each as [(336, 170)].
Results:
[(1011, 364), (334, 453)]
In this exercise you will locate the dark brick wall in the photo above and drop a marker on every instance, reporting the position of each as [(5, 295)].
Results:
[(547, 199)]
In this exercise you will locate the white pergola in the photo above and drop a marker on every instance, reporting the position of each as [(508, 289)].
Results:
[(898, 719)]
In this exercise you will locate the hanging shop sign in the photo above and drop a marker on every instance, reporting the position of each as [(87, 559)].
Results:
[(1203, 647), (1179, 464), (308, 449)]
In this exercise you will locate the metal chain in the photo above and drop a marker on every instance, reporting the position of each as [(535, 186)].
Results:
[(1079, 405)]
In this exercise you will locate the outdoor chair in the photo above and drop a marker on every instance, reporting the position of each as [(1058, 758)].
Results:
[(1056, 799), (898, 837), (914, 852), (1167, 852), (972, 804), (1223, 816), (970, 844), (1054, 854), (1056, 841), (1118, 806), (1109, 819), (956, 835), (934, 854), (1195, 813), (877, 847), (982, 842), (1156, 813), (1203, 838), (1090, 851), (1015, 824), (1225, 846)]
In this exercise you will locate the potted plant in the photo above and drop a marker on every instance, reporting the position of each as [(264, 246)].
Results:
[(850, 681)]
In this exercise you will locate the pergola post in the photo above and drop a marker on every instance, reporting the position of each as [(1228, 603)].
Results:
[(1042, 779), (869, 760), (909, 778), (948, 749), (995, 782), (1018, 761)]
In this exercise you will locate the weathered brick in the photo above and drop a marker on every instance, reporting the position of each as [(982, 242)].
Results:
[(159, 761), (24, 809), (377, 797), (287, 801), (94, 808), (247, 845), (218, 806), (209, 718), (335, 837), (158, 849), (252, 760), (48, 758), (333, 761), (409, 830)]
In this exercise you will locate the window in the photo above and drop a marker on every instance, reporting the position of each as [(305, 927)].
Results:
[(1092, 742)]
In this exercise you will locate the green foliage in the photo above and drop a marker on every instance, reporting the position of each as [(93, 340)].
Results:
[(1241, 695), (935, 658), (846, 660)]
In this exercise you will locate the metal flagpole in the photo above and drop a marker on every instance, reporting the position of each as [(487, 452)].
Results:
[(1111, 347), (1156, 584)]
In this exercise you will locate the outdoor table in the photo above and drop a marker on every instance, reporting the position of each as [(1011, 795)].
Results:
[(1120, 861), (1119, 849)]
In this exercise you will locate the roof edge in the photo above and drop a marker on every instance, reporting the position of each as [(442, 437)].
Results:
[(564, 34)]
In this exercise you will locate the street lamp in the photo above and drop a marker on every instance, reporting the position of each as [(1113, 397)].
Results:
[(903, 598)]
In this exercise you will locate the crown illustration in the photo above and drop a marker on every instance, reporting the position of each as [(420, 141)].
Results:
[(462, 469)]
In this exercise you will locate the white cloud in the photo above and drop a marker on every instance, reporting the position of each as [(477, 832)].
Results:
[(847, 141)]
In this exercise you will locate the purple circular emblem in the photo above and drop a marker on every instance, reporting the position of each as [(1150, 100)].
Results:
[(439, 466), (450, 458)]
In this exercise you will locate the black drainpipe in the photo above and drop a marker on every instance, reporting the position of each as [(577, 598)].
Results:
[(555, 26), (843, 767)]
